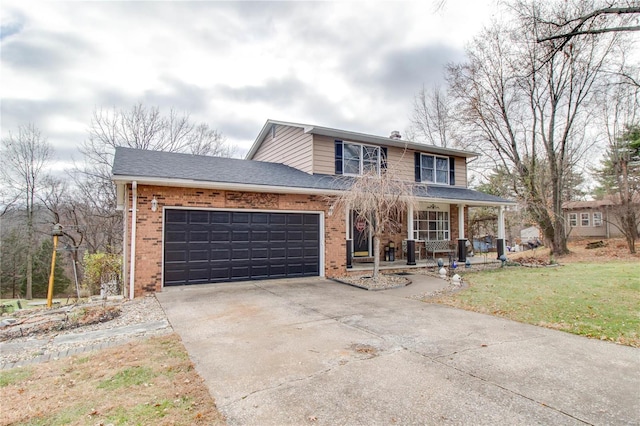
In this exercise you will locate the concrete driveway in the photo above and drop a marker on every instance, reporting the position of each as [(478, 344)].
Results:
[(313, 351)]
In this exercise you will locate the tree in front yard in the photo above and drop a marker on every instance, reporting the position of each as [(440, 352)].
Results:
[(620, 177), (379, 200)]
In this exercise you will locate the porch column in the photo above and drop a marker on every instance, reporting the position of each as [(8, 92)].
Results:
[(410, 223), (501, 233), (347, 228), (462, 241), (411, 244)]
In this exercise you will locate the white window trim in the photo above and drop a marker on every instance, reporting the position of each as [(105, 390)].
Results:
[(361, 165), (448, 182), (599, 220), (417, 230), (573, 217), (588, 220)]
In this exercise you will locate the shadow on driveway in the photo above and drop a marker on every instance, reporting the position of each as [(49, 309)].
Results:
[(312, 351)]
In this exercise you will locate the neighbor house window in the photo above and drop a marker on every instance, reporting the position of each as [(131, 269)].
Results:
[(584, 219), (597, 219), (573, 219), (431, 226), (359, 159), (434, 169)]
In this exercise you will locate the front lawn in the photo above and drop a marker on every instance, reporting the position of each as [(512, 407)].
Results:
[(597, 300), (146, 382)]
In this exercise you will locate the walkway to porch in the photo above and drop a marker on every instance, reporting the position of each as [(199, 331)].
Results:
[(401, 264)]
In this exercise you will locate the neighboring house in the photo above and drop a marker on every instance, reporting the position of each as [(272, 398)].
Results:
[(530, 234), (590, 219), (196, 219)]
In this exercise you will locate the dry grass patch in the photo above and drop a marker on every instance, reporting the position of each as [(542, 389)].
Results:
[(147, 382)]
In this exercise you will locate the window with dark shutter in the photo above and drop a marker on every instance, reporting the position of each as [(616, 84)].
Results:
[(418, 175), (338, 157), (452, 171), (383, 158)]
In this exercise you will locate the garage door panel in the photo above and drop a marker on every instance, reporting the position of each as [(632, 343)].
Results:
[(196, 236), (199, 256), (220, 254), (219, 274), (259, 253), (176, 236), (259, 236), (220, 236), (176, 216), (220, 217), (238, 217), (199, 217), (240, 235), (175, 256), (294, 236), (199, 274), (240, 272), (220, 246)]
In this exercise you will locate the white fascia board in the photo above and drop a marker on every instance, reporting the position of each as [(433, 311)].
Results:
[(229, 186)]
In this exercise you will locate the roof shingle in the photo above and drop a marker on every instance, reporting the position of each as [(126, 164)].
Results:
[(137, 163)]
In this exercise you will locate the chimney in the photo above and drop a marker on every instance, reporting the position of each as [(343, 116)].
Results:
[(395, 135)]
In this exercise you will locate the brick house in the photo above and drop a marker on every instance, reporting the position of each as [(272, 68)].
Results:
[(196, 219)]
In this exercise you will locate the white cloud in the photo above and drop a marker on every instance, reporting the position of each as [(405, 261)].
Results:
[(232, 64)]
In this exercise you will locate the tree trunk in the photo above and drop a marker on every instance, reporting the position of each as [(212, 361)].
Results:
[(559, 245), (376, 257), (29, 294), (30, 245)]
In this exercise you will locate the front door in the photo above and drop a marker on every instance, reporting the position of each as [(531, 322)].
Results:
[(360, 236)]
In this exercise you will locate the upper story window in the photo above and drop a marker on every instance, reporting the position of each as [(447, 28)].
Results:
[(434, 169), (597, 218), (359, 159)]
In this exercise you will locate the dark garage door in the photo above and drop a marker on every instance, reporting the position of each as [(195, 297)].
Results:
[(219, 246)]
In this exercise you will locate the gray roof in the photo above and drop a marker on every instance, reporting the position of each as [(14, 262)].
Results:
[(138, 164), (359, 137)]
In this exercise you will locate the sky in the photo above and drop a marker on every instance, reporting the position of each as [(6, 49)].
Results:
[(350, 65)]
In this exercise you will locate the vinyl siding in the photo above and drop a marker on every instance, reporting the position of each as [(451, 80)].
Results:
[(291, 146), (323, 155), (400, 161)]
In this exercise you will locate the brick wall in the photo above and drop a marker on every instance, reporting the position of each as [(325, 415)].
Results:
[(148, 273)]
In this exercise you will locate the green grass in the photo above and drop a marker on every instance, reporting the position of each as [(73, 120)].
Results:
[(61, 418), (14, 375), (133, 376), (148, 413), (600, 301)]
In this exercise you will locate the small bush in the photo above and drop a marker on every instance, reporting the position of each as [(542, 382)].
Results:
[(100, 269)]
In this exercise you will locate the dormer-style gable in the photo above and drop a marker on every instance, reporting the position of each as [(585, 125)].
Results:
[(328, 151)]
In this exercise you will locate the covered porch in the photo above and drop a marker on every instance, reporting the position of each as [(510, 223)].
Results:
[(433, 229)]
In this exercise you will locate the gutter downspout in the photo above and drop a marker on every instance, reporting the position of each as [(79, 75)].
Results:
[(132, 263), (125, 237)]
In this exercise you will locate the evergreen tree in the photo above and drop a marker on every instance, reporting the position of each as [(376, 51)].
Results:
[(42, 270)]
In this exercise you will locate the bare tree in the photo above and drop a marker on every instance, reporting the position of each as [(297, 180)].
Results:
[(603, 18), (25, 156), (619, 175), (431, 121), (140, 127), (528, 111), (379, 200)]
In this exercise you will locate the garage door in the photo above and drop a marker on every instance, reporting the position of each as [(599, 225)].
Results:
[(220, 246)]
